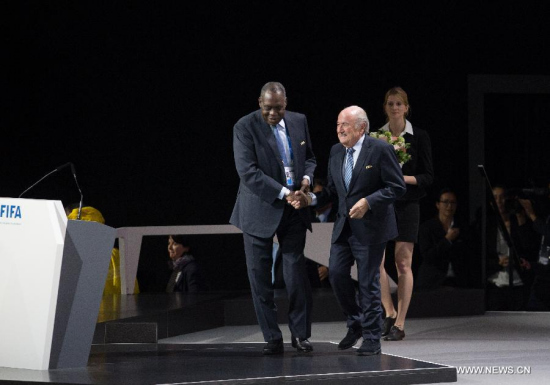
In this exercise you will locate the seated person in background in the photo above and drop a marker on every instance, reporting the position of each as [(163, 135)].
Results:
[(444, 253), (112, 283), (539, 298), (500, 296), (322, 214), (186, 276)]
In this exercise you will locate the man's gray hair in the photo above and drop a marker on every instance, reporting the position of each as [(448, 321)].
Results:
[(274, 87), (360, 118)]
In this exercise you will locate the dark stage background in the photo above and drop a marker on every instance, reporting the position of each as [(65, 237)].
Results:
[(142, 96)]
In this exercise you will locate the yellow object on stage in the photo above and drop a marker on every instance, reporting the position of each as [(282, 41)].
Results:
[(112, 284)]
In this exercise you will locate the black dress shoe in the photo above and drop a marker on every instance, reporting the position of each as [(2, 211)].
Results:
[(395, 334), (301, 345), (369, 348), (350, 339), (274, 347), (388, 323)]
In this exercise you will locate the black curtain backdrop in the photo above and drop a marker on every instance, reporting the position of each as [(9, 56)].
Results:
[(142, 96), (517, 134)]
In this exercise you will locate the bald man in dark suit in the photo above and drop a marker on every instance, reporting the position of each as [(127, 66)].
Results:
[(365, 177)]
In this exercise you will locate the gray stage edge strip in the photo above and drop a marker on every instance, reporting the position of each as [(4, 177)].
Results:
[(397, 377)]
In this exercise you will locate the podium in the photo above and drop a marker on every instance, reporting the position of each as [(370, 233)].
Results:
[(52, 274)]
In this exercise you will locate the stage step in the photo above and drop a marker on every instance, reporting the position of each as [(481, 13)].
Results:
[(147, 317), (131, 332)]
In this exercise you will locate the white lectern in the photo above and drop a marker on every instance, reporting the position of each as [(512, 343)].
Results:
[(52, 274)]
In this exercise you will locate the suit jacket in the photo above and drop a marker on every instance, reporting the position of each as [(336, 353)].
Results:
[(258, 210), (377, 177), (437, 253), (420, 165), (190, 280)]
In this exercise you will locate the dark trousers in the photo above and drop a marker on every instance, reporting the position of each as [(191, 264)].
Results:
[(363, 309), (291, 235)]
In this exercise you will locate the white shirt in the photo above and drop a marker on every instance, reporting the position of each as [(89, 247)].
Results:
[(408, 128)]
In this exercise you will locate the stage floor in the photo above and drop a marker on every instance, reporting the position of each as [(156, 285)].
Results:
[(500, 343), (495, 342), (235, 363)]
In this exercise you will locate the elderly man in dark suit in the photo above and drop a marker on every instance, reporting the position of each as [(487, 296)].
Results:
[(274, 158), (364, 174)]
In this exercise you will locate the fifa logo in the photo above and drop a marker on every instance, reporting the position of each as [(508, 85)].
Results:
[(10, 211)]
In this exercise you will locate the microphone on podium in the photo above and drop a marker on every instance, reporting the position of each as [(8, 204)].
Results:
[(59, 168), (79, 190)]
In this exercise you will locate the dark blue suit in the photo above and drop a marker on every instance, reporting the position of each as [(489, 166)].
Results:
[(260, 214), (378, 178)]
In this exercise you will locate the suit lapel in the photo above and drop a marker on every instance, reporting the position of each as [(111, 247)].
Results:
[(290, 129), (338, 178), (360, 162), (294, 143)]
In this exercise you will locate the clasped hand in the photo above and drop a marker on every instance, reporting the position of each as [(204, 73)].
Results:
[(298, 199)]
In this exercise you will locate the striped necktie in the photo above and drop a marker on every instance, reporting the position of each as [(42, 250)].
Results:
[(349, 167), (281, 146)]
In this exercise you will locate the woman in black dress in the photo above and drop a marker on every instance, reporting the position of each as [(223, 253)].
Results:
[(418, 174)]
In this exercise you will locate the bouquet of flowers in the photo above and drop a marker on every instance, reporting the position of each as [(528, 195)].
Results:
[(398, 143)]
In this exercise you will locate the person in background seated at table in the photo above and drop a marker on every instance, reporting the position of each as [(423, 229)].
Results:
[(186, 276), (326, 213), (442, 247), (112, 283), (539, 298), (500, 296)]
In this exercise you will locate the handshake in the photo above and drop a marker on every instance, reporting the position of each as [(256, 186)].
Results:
[(301, 198)]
